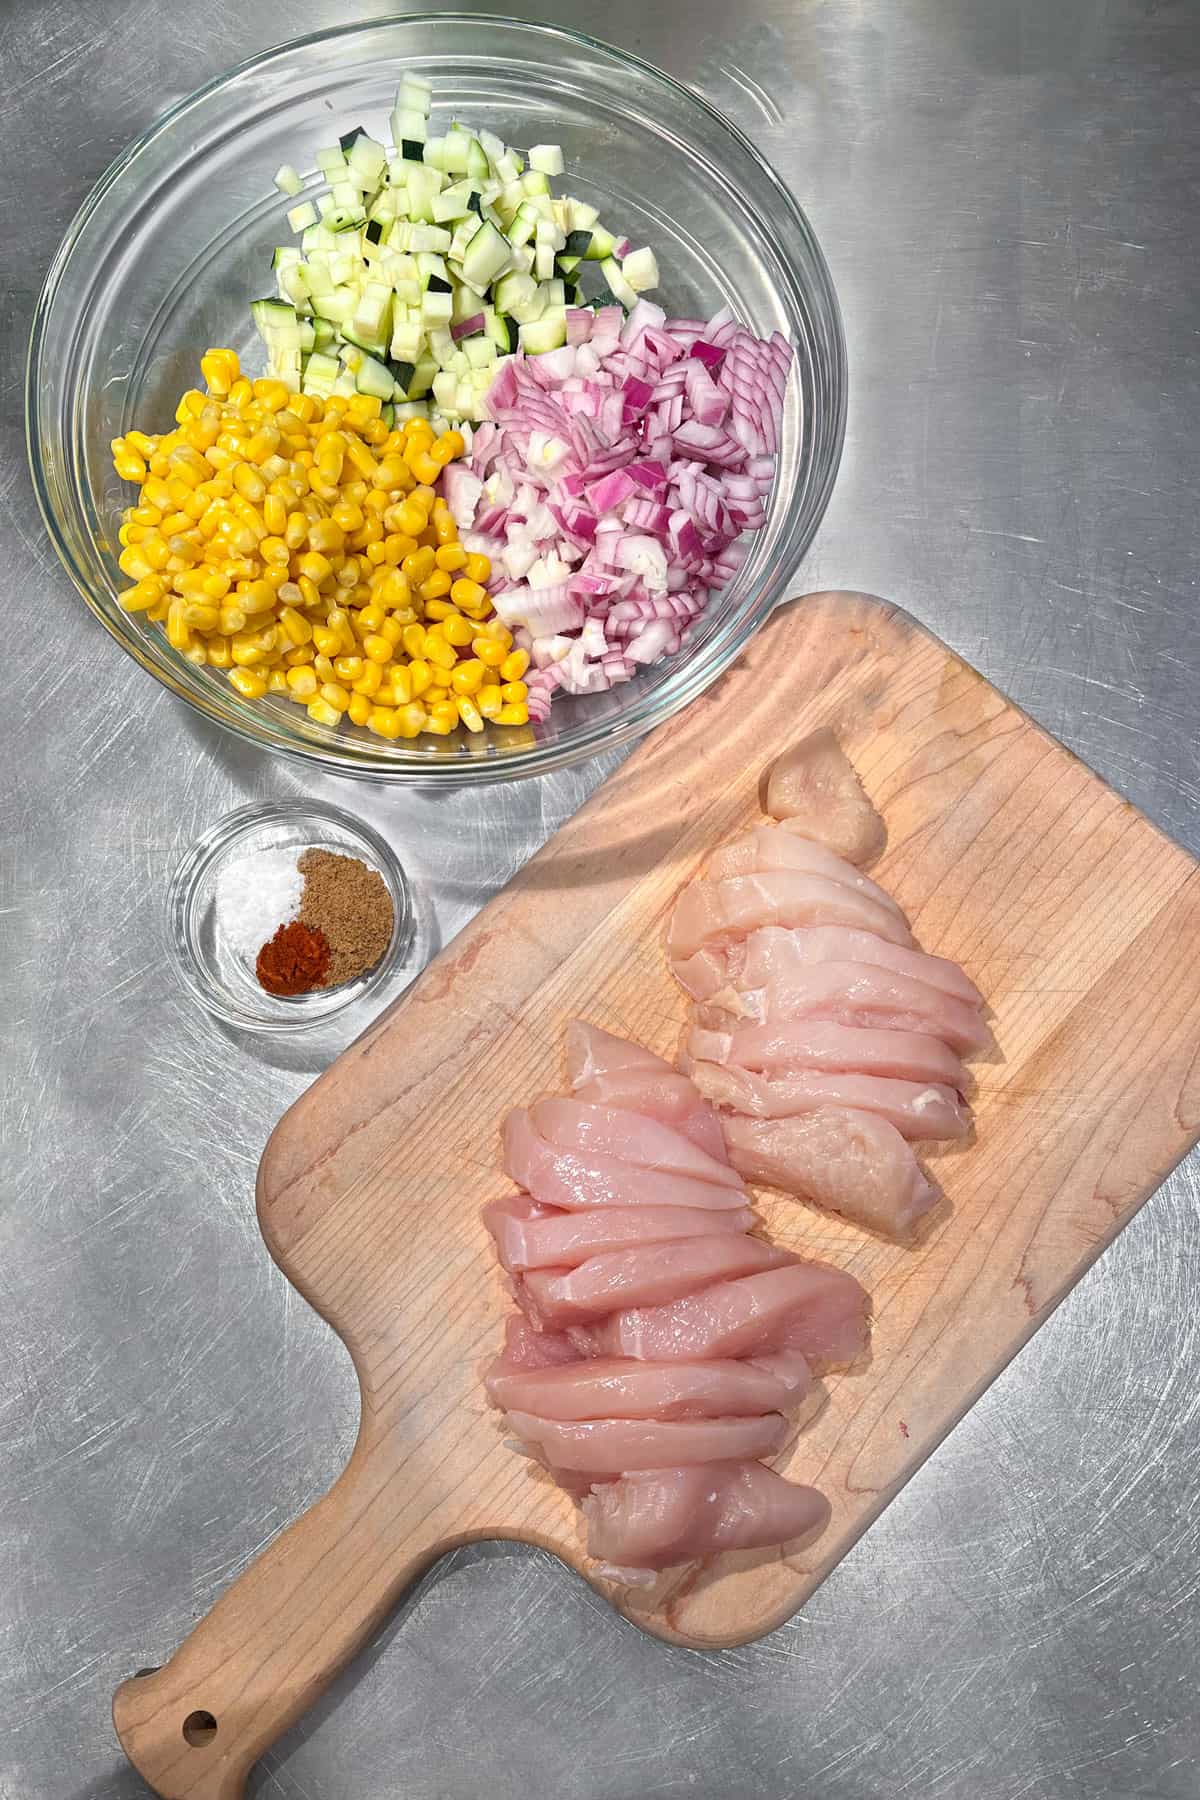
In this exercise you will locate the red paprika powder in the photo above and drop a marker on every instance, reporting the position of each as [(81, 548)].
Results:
[(295, 961)]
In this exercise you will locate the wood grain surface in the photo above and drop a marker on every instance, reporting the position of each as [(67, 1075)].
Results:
[(1078, 920)]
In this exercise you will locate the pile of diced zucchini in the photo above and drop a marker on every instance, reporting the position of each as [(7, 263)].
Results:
[(422, 266)]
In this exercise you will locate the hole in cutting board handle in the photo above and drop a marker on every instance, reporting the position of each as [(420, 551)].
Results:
[(199, 1729)]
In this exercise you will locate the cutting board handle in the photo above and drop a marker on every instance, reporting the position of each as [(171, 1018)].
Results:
[(277, 1638)]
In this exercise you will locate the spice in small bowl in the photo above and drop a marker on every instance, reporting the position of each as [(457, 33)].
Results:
[(284, 914)]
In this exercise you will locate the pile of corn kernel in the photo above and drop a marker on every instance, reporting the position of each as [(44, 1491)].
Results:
[(301, 546)]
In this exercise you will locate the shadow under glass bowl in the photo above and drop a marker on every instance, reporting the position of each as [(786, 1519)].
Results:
[(176, 239)]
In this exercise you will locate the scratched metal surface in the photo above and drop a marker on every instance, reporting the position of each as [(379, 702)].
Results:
[(1007, 197)]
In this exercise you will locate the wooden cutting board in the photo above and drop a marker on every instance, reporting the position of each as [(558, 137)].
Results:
[(1080, 923)]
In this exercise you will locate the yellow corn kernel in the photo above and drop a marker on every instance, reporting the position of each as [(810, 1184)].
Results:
[(250, 686), (450, 557), (384, 722), (419, 565), (513, 715), (310, 593), (299, 657), (328, 641), (469, 713), (456, 442), (413, 639), (370, 618), (377, 647), (388, 473), (220, 653), (348, 668), (420, 676), (467, 677), (232, 618), (220, 369), (318, 568), (444, 528), (339, 620), (443, 450), (200, 615), (425, 470), (142, 595), (295, 534), (441, 726), (436, 586), (411, 719), (439, 652), (393, 630), (479, 567), (296, 626), (320, 711), (350, 573), (302, 682), (370, 679), (515, 693), (514, 665), (489, 701), (179, 632), (360, 458), (131, 562), (336, 695), (359, 709), (326, 536), (347, 515), (490, 653), (467, 591), (457, 631), (130, 466), (249, 483), (277, 682), (408, 518)]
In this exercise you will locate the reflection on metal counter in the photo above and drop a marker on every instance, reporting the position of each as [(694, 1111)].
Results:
[(1004, 195)]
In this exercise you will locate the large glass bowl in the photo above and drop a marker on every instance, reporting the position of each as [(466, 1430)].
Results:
[(176, 239)]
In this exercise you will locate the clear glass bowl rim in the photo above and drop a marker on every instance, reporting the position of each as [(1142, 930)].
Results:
[(219, 837), (686, 684)]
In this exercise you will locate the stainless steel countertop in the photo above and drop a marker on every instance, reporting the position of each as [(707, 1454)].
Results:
[(1007, 197)]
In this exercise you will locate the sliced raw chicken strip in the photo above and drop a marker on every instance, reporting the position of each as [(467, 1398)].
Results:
[(815, 787), (647, 1275), (665, 1516), (795, 1044), (526, 1349), (854, 1163), (578, 1183), (610, 1071), (615, 1446), (708, 910), (619, 1388), (811, 1307), (584, 1129), (774, 847), (705, 974), (861, 994), (529, 1236), (592, 1051), (921, 1112), (773, 957)]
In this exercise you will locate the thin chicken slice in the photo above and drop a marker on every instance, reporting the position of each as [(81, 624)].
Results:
[(776, 958), (615, 1446), (577, 1183), (858, 994), (647, 1275), (585, 1129), (774, 847), (714, 910), (619, 1388), (814, 788), (798, 1044), (665, 1516), (811, 1307), (529, 1236), (919, 1111), (853, 1163), (592, 1051)]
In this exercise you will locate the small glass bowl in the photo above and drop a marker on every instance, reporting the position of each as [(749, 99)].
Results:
[(214, 972)]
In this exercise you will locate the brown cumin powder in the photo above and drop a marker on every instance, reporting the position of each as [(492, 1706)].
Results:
[(349, 904)]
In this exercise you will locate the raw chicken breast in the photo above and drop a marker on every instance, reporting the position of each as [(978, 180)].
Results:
[(529, 1236), (811, 1307), (854, 1163), (645, 1276), (665, 1516), (614, 1446), (577, 1183), (526, 1349), (619, 1388), (815, 788), (608, 1071), (817, 1044), (863, 994), (773, 847), (772, 957), (919, 1112), (708, 910), (586, 1130)]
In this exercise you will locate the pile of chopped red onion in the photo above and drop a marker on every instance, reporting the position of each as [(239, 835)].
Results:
[(613, 483)]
